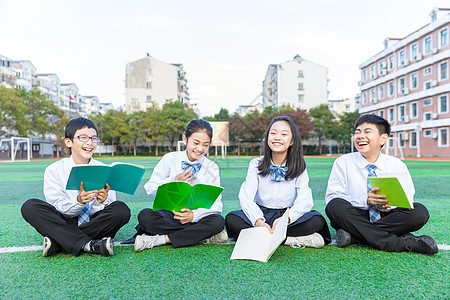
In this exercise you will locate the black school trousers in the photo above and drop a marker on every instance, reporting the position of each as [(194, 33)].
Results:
[(64, 230), (181, 235), (383, 234)]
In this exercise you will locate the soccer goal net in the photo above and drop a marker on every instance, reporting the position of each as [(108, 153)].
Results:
[(15, 148)]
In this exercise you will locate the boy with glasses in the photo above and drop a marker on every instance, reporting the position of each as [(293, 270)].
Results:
[(76, 221)]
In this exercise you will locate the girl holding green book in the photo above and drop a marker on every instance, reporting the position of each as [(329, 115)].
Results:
[(186, 227)]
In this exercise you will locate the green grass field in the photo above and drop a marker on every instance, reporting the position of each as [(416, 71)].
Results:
[(205, 271)]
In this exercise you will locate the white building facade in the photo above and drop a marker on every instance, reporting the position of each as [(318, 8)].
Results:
[(299, 83), (150, 81), (408, 84)]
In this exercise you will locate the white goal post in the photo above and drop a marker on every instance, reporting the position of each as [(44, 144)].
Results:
[(14, 143)]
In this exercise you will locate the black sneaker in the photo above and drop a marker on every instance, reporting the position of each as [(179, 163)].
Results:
[(343, 238), (50, 248), (103, 247), (421, 244)]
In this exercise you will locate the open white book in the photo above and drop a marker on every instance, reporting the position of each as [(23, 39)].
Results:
[(257, 243)]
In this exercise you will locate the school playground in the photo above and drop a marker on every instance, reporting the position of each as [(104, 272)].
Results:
[(205, 271)]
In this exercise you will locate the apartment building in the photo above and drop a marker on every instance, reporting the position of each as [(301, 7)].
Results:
[(49, 84), (298, 82), (340, 106), (70, 100), (150, 81), (408, 84)]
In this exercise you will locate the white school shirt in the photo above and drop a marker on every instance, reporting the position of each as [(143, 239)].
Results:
[(65, 201), (170, 166), (258, 190), (348, 178)]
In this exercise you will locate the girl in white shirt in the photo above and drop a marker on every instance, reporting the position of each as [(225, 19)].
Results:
[(187, 227), (276, 181)]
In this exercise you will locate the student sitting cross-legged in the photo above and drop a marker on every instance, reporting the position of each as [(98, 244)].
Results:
[(76, 221), (188, 227), (361, 215), (276, 181)]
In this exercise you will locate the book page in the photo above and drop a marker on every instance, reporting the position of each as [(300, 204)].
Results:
[(252, 243), (392, 189), (125, 178), (280, 233), (93, 177), (402, 178), (172, 196)]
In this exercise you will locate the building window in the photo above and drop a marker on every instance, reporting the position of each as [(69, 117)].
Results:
[(443, 71), (401, 139), (427, 44), (300, 86), (391, 141), (381, 113), (427, 71), (413, 110), (427, 85), (382, 67), (402, 57), (372, 71), (364, 100), (391, 88), (391, 62), (149, 98), (300, 73), (443, 37), (427, 116), (347, 108), (381, 91), (413, 139), (301, 98), (391, 114), (414, 51), (372, 95), (414, 83), (364, 75), (443, 104), (427, 102), (148, 85), (443, 137), (401, 113), (427, 133), (148, 72), (401, 85)]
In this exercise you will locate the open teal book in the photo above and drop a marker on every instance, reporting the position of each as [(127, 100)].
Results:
[(393, 190), (177, 195), (121, 177)]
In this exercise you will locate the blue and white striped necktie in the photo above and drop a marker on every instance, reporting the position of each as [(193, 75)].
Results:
[(84, 215), (374, 212)]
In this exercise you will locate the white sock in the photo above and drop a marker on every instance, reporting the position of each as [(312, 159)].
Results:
[(87, 247), (290, 240), (160, 240)]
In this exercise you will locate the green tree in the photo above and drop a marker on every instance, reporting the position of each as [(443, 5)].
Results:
[(343, 133), (113, 127), (13, 113), (323, 123), (175, 117), (237, 128), (137, 126)]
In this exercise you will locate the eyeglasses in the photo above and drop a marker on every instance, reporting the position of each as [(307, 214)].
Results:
[(85, 138)]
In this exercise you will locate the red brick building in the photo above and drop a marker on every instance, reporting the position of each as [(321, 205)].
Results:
[(408, 84)]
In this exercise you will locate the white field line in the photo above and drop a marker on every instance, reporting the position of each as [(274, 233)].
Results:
[(39, 248)]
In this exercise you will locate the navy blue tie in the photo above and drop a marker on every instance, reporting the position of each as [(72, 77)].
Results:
[(195, 168), (277, 173), (374, 213)]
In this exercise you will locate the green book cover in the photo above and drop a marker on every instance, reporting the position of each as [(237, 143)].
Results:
[(121, 177), (177, 195), (393, 190)]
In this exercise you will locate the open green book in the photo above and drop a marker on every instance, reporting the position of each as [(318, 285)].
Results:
[(177, 195), (393, 190), (121, 177)]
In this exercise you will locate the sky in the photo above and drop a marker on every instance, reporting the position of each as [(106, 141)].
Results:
[(225, 46)]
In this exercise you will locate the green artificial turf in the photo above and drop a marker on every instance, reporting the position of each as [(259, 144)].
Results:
[(205, 271)]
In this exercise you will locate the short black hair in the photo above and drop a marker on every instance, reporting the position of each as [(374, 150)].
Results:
[(75, 124), (381, 123), (294, 161), (198, 125)]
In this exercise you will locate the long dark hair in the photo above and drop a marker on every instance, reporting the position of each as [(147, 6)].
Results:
[(294, 161)]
